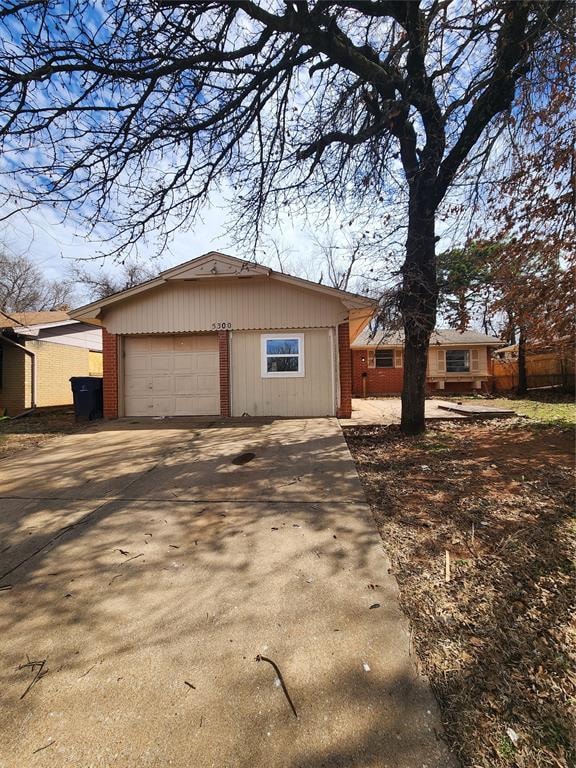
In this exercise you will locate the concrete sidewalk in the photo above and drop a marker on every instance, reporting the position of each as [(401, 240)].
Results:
[(387, 410), (149, 563)]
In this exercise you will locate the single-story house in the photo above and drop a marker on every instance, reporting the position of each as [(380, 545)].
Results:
[(39, 353), (226, 337), (457, 361)]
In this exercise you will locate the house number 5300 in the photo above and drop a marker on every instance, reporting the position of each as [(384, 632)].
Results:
[(221, 326)]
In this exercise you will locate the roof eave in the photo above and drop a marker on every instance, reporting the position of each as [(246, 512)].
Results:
[(90, 312)]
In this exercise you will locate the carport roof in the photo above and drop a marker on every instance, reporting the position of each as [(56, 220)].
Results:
[(215, 265)]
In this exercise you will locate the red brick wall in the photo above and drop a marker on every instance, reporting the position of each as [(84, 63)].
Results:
[(110, 373), (345, 409), (379, 381), (224, 353)]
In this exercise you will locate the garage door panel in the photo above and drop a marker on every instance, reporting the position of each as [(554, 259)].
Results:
[(185, 363), (163, 385), (203, 406), (161, 363), (206, 383), (163, 406), (140, 344), (138, 364), (208, 363), (139, 406), (160, 344), (171, 375), (201, 343), (199, 362), (183, 385), (139, 386)]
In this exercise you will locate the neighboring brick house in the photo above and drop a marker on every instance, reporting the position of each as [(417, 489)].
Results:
[(457, 362), (226, 337), (39, 353)]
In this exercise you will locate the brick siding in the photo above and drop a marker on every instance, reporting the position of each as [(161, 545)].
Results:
[(345, 358), (388, 381), (55, 365), (379, 381), (224, 357), (110, 371), (14, 398)]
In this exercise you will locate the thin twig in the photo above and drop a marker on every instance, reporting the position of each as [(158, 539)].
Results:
[(275, 667), (132, 558), (44, 747), (87, 671), (39, 674)]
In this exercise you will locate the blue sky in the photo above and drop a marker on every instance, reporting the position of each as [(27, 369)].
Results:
[(54, 243)]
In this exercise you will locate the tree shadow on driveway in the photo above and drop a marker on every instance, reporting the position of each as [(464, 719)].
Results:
[(180, 569)]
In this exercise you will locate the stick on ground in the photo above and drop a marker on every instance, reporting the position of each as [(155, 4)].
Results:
[(282, 683)]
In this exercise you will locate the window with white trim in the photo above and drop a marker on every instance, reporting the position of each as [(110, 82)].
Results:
[(457, 361), (282, 355)]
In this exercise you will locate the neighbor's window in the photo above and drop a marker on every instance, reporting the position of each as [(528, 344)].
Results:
[(384, 358), (282, 355), (457, 360)]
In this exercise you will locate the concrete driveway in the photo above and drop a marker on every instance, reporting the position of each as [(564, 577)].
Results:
[(143, 571)]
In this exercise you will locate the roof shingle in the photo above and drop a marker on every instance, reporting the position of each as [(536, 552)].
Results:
[(17, 319), (442, 336)]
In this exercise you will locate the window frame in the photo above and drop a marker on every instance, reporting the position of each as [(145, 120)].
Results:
[(265, 373), (389, 351), (467, 356)]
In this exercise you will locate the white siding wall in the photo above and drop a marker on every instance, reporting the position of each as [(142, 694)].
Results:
[(80, 335), (240, 304), (311, 395)]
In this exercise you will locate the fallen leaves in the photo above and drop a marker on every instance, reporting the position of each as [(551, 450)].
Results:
[(497, 641)]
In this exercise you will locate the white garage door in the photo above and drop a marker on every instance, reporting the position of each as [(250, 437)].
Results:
[(171, 375)]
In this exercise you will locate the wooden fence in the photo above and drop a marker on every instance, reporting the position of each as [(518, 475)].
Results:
[(548, 369)]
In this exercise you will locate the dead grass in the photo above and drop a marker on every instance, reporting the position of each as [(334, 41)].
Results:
[(35, 429), (498, 641)]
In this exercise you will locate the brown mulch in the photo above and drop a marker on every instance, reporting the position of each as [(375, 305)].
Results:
[(36, 428), (498, 641)]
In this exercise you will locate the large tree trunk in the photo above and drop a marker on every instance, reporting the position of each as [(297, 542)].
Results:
[(522, 387), (418, 305)]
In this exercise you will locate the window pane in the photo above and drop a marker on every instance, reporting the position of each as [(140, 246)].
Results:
[(384, 358), (281, 364), (281, 346), (457, 361)]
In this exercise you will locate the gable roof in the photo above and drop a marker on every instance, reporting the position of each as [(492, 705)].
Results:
[(26, 319), (215, 265), (439, 337)]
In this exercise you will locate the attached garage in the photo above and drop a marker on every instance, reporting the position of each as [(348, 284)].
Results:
[(171, 375), (219, 336)]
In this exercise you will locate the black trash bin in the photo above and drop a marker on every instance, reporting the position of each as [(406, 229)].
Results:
[(87, 392)]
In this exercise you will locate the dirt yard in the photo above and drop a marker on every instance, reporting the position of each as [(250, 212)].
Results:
[(498, 639), (35, 429)]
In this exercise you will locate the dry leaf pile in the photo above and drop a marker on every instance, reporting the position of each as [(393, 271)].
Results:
[(498, 640)]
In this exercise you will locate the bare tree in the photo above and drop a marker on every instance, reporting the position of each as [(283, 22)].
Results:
[(140, 109), (98, 284), (23, 287)]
